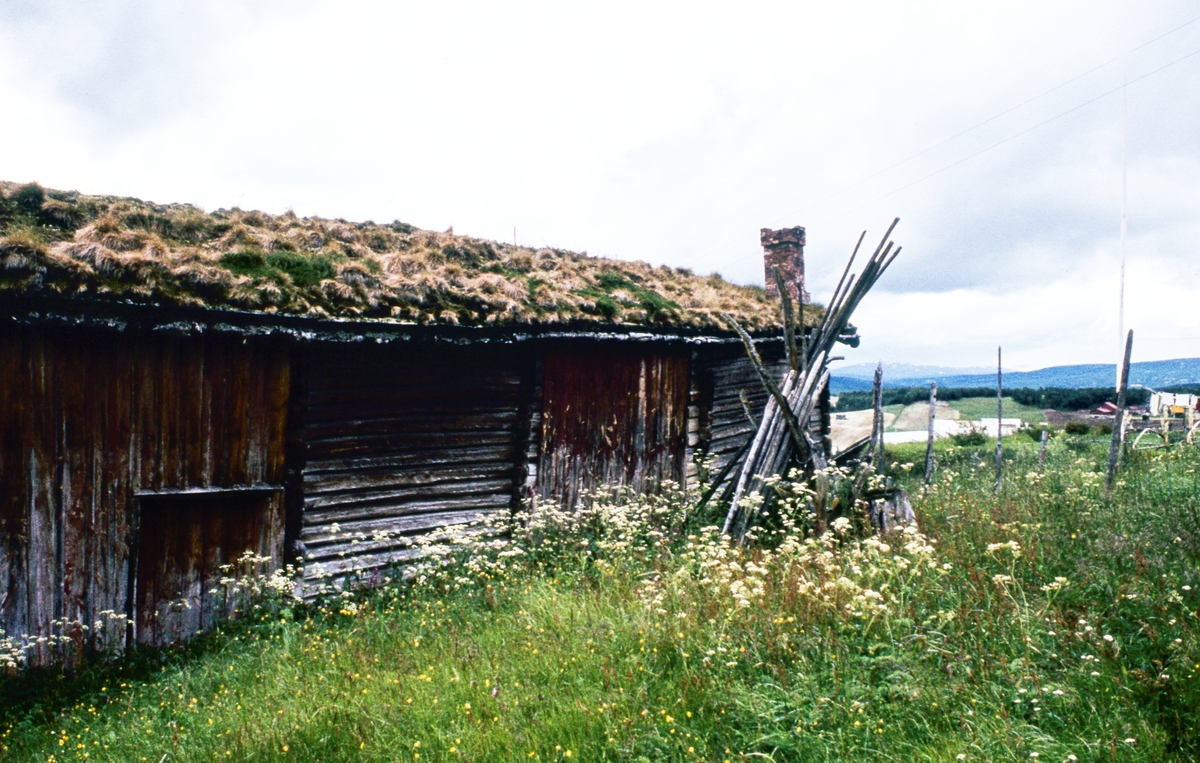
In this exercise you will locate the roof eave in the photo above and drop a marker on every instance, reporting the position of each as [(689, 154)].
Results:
[(123, 315)]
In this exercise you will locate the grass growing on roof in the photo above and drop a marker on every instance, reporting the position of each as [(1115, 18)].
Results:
[(64, 243), (1046, 622)]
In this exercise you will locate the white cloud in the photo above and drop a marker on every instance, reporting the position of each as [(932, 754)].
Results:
[(667, 132)]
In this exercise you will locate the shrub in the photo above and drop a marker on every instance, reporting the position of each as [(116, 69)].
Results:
[(974, 437), (1076, 427), (1033, 433)]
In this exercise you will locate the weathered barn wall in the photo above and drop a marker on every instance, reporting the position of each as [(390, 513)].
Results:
[(728, 426), (399, 440), (133, 465), (722, 426), (186, 542), (612, 416), (93, 423)]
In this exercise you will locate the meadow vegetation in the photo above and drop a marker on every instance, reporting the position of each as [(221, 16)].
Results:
[(976, 408), (1046, 621)]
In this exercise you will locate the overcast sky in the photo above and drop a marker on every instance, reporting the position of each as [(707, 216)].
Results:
[(671, 133)]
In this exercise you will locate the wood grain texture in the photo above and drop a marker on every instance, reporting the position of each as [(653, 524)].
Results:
[(89, 418), (398, 441), (612, 417)]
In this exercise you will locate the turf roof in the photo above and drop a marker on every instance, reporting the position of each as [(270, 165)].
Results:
[(69, 244)]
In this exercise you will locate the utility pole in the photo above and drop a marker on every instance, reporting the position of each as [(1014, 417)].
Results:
[(1124, 187), (1114, 450)]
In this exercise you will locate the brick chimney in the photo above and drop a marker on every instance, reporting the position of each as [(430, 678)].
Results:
[(783, 249)]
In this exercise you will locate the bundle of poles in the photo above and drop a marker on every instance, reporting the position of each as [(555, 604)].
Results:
[(783, 440)]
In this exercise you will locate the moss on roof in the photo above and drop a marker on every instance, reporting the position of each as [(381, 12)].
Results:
[(70, 244)]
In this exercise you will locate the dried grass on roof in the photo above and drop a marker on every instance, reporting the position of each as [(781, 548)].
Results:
[(70, 244)]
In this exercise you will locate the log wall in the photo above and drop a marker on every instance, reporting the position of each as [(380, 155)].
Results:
[(92, 424), (400, 440), (133, 465)]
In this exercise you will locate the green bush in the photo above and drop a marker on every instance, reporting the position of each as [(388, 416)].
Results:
[(1076, 427), (972, 438), (1034, 433)]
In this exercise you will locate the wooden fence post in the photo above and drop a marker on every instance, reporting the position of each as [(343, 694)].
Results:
[(1042, 450), (1114, 450), (876, 454), (929, 441), (999, 424)]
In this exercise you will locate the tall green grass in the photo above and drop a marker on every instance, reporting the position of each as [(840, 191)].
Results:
[(1044, 622)]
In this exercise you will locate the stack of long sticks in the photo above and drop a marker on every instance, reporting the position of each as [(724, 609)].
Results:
[(783, 435)]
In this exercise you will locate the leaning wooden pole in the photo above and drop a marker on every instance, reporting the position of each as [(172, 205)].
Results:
[(929, 440), (1114, 450), (783, 437), (999, 424)]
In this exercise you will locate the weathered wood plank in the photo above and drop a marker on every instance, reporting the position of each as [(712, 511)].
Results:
[(15, 491), (322, 535), (465, 502), (430, 457), (415, 422), (242, 420), (402, 441), (384, 479), (447, 488), (405, 403)]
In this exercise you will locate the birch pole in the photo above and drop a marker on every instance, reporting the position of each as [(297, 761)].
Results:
[(929, 441), (1114, 450), (876, 456), (999, 424), (1042, 450)]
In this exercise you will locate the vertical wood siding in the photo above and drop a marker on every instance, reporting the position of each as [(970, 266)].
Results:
[(186, 543), (398, 441), (90, 418), (611, 417)]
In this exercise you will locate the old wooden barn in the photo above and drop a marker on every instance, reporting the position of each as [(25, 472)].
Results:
[(177, 388)]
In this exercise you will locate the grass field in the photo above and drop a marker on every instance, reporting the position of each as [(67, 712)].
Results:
[(975, 408), (1047, 622)]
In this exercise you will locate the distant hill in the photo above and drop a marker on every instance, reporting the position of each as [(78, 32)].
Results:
[(1155, 374), (906, 371)]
